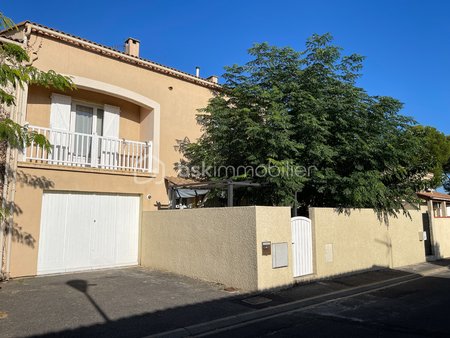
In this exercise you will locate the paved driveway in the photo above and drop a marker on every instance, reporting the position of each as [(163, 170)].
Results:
[(128, 302)]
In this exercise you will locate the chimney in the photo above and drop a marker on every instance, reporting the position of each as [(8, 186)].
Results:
[(132, 47), (213, 79), (197, 71)]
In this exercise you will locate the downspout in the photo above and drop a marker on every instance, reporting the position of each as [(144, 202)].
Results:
[(27, 33), (11, 168), (18, 117), (3, 221), (26, 39), (3, 224)]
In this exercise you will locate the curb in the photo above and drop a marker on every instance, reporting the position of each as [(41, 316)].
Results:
[(224, 323)]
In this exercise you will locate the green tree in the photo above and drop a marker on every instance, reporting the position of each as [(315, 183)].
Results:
[(15, 71), (446, 182), (285, 109), (438, 150)]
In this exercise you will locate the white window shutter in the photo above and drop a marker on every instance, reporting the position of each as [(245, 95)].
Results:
[(111, 119), (60, 112), (109, 152)]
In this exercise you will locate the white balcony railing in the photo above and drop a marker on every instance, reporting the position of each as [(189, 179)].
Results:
[(83, 150)]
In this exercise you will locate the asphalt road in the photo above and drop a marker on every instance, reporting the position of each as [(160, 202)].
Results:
[(419, 308)]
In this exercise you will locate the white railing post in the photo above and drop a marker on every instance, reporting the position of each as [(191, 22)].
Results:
[(150, 156), (94, 151)]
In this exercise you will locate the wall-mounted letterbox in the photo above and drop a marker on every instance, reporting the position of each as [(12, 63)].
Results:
[(266, 248)]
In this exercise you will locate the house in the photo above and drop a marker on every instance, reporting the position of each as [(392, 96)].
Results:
[(79, 206), (91, 202), (437, 226)]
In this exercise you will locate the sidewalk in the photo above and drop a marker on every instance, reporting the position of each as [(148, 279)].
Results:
[(269, 304)]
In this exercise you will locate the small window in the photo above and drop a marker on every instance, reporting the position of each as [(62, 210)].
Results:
[(437, 210)]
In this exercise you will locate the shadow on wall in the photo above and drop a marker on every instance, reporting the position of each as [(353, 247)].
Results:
[(388, 244), (34, 181), (19, 235), (13, 228), (437, 252), (152, 323)]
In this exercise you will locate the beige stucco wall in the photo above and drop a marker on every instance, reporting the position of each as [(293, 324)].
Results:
[(441, 236), (177, 107), (273, 224), (217, 244), (31, 184), (360, 240), (39, 101)]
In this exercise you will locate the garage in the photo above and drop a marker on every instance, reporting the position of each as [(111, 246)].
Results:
[(85, 231)]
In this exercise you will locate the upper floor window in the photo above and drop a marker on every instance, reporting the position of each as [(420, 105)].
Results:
[(88, 119)]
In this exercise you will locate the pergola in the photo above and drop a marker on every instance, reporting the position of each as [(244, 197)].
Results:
[(175, 184)]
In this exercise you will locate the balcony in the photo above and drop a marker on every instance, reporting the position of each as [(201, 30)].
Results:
[(91, 151)]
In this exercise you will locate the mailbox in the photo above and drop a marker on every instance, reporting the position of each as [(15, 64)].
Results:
[(423, 236), (266, 248)]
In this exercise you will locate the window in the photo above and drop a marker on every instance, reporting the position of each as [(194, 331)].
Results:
[(437, 209), (87, 120)]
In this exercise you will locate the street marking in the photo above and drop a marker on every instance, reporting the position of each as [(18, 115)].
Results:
[(288, 312), (258, 300), (219, 325)]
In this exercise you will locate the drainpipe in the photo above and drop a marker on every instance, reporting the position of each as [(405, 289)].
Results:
[(26, 39), (11, 168), (18, 117), (11, 215), (3, 223)]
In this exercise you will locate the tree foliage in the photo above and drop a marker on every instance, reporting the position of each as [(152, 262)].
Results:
[(285, 108), (438, 151), (16, 71)]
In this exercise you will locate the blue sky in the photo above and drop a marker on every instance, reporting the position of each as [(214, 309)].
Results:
[(407, 43)]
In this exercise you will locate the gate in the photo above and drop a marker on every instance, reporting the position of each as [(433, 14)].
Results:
[(302, 248)]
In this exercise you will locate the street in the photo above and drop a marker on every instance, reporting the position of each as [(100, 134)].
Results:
[(137, 302), (417, 308)]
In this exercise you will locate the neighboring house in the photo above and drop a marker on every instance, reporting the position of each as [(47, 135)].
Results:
[(113, 140), (437, 228)]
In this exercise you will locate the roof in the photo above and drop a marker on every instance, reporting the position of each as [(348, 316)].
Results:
[(177, 181), (7, 39), (114, 53), (434, 195)]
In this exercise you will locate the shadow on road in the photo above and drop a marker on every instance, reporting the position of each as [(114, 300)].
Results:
[(182, 316), (82, 286)]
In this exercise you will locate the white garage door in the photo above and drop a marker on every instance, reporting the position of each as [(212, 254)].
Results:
[(82, 231)]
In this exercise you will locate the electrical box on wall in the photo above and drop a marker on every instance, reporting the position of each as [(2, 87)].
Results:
[(279, 255), (423, 236)]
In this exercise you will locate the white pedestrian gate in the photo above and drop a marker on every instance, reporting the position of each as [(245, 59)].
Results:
[(302, 248), (84, 231)]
